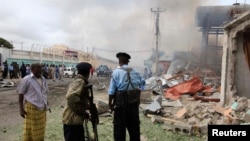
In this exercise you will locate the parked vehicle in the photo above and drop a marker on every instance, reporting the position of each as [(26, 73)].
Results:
[(103, 70), (69, 72)]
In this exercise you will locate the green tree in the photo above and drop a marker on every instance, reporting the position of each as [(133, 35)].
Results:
[(5, 43)]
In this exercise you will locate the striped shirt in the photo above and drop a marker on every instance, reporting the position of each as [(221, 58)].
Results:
[(119, 80), (34, 92)]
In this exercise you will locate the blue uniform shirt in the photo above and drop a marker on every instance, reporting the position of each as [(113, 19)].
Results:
[(10, 68), (119, 80)]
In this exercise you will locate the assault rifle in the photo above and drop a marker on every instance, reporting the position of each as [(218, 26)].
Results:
[(94, 118)]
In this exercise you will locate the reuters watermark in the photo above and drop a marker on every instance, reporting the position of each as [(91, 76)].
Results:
[(228, 132)]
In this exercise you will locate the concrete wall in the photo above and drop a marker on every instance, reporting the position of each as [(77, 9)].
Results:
[(29, 57), (52, 56), (224, 69), (242, 71), (235, 73), (5, 53)]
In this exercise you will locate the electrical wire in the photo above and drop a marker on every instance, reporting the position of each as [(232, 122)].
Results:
[(111, 51)]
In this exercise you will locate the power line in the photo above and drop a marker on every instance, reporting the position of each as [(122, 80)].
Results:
[(135, 51)]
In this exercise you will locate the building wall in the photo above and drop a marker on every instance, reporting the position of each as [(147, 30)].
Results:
[(224, 68), (55, 56), (242, 72), (5, 53), (29, 57), (235, 73), (82, 56)]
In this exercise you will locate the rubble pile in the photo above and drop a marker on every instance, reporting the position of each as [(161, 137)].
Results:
[(188, 102), (194, 116), (186, 99)]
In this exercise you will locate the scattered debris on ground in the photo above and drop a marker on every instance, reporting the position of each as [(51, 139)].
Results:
[(8, 84), (189, 101), (99, 86)]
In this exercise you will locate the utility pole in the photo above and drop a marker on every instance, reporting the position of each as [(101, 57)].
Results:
[(157, 33)]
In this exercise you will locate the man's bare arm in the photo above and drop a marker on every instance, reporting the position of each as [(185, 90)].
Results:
[(21, 106)]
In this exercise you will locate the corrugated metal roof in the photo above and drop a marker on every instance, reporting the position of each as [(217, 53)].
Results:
[(215, 15)]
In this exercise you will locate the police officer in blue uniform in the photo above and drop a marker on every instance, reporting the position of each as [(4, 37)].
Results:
[(124, 99)]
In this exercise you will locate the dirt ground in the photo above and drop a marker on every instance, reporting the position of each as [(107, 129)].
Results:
[(9, 108), (11, 122)]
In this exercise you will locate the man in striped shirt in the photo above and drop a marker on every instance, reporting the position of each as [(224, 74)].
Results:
[(33, 103)]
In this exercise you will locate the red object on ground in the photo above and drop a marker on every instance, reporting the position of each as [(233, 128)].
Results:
[(188, 87)]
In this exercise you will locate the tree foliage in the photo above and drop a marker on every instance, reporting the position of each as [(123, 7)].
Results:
[(5, 43)]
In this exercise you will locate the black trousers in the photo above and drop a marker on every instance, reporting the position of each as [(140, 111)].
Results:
[(11, 74), (23, 73), (73, 132), (127, 118), (5, 73)]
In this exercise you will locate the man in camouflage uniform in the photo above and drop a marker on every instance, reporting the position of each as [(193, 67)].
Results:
[(75, 113)]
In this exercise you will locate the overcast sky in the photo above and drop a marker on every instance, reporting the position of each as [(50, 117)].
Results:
[(108, 25)]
